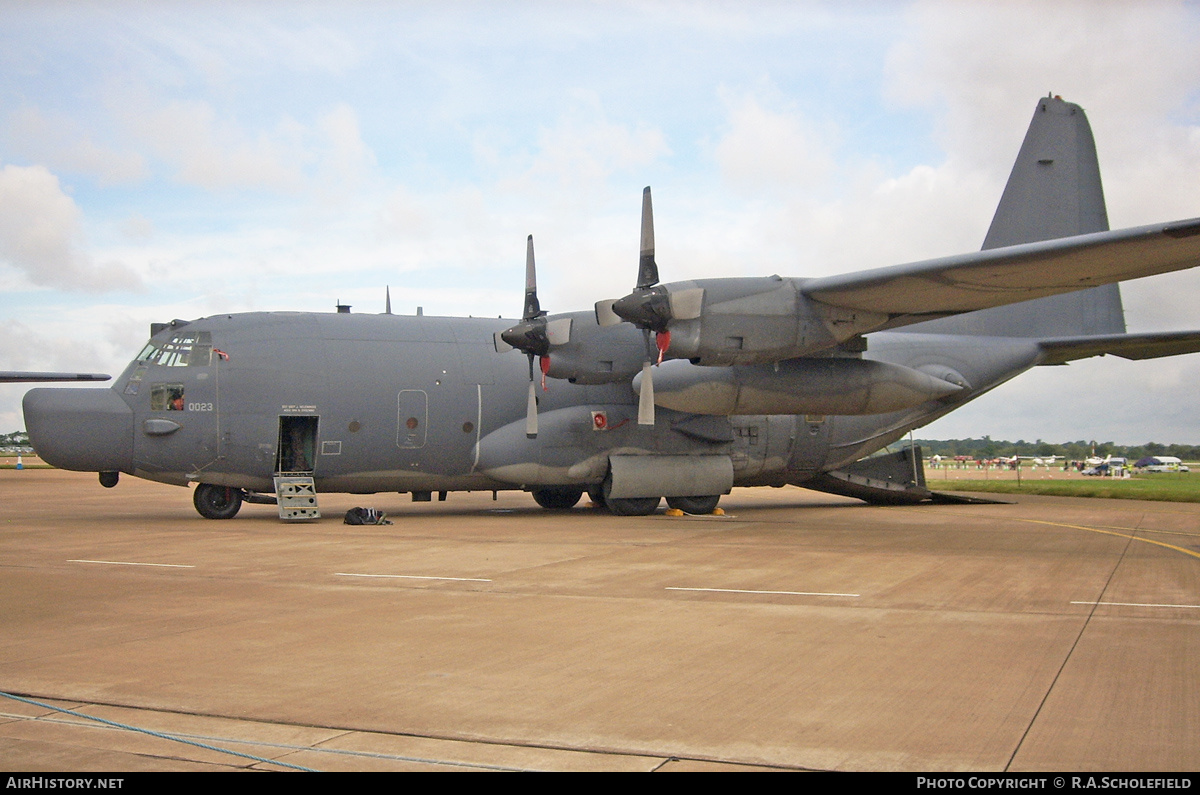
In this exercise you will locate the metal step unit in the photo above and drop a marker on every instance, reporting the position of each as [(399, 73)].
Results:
[(297, 498)]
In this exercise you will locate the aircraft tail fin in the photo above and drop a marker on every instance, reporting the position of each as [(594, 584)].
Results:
[(1054, 191)]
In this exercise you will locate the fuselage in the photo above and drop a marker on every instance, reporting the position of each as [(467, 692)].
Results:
[(369, 403)]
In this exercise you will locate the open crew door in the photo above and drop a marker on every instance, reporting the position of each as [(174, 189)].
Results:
[(297, 449)]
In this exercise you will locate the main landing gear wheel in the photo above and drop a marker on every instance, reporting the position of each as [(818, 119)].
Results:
[(557, 498), (698, 506), (217, 502), (628, 506)]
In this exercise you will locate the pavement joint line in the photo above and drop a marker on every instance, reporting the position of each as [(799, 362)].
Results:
[(91, 722), (409, 577), (88, 723), (784, 593), (1083, 627), (1135, 604), (151, 733), (128, 563)]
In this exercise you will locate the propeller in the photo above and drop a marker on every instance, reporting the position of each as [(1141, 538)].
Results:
[(648, 307), (533, 336)]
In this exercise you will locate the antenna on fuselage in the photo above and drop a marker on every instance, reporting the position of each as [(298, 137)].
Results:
[(387, 307)]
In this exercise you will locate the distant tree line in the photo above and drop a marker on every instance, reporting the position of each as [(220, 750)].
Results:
[(987, 447), (14, 439)]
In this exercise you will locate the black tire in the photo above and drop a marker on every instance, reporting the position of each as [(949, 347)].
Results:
[(557, 498), (697, 506), (629, 506), (217, 502)]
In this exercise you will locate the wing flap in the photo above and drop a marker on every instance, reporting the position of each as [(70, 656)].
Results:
[(996, 277)]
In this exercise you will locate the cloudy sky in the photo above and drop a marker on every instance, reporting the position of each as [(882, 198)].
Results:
[(163, 160)]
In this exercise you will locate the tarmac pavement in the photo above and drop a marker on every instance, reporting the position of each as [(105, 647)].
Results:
[(798, 631)]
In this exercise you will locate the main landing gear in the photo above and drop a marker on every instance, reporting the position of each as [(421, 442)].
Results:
[(557, 498), (697, 506), (644, 506), (562, 498), (217, 502), (627, 506)]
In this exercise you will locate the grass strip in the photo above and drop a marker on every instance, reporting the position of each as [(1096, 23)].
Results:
[(1165, 487)]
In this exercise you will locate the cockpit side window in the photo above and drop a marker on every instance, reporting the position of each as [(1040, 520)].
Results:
[(184, 349), (166, 397)]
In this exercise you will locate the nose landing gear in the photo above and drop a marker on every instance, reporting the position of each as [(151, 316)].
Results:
[(217, 502)]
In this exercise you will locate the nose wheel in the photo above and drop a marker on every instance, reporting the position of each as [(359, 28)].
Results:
[(217, 502)]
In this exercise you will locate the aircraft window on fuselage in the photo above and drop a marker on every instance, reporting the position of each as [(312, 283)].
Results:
[(166, 397), (185, 349), (135, 380)]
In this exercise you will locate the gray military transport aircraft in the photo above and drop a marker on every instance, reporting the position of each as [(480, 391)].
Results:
[(679, 390)]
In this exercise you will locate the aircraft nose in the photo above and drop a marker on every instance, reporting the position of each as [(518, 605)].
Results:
[(87, 430)]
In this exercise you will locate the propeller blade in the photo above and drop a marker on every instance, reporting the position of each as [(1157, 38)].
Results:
[(647, 268), (646, 397), (532, 307), (531, 424), (532, 334)]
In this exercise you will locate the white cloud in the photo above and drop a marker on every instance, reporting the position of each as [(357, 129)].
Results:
[(582, 150), (345, 161), (41, 235), (979, 65), (216, 153), (1104, 398), (211, 149), (772, 152), (59, 144)]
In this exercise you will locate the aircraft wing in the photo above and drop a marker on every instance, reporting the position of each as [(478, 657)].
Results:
[(1128, 346), (979, 280), (19, 377)]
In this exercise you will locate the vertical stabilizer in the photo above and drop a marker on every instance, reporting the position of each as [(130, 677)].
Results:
[(1054, 191)]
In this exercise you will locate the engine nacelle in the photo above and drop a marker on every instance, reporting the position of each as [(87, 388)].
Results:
[(756, 321), (831, 385), (583, 352), (740, 321)]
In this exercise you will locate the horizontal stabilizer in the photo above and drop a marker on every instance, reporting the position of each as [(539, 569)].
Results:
[(1128, 346), (1000, 276)]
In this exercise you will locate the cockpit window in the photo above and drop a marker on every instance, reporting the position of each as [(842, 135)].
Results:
[(184, 349), (166, 397)]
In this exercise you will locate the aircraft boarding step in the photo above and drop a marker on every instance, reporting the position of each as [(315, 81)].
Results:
[(297, 497)]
